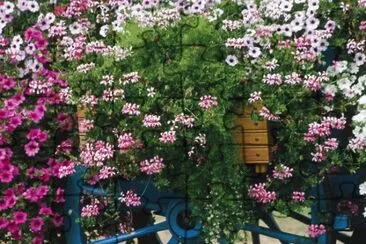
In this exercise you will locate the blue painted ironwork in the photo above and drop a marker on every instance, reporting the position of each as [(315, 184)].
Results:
[(170, 204), (73, 231)]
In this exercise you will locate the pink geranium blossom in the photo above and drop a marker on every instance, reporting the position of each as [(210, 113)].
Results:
[(168, 136), (130, 199), (282, 172), (298, 196), (315, 230), (152, 166), (207, 102), (260, 194)]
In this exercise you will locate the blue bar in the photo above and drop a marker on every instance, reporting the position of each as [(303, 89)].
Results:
[(95, 191), (73, 231), (138, 233)]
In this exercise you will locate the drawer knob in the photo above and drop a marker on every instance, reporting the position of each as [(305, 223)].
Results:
[(257, 154), (256, 123), (256, 139)]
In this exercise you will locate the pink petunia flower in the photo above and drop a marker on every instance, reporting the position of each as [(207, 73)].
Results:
[(60, 195), (36, 224), (31, 148), (57, 220), (3, 223), (20, 217)]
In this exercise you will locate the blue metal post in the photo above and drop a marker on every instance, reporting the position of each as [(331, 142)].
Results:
[(316, 208), (73, 231)]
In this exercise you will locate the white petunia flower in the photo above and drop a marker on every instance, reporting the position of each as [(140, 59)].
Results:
[(313, 4), (254, 52), (104, 30), (297, 25), (362, 188), (8, 7), (231, 60), (311, 23), (50, 17), (75, 28), (360, 59), (33, 6)]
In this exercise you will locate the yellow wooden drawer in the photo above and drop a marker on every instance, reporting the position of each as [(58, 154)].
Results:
[(251, 137), (248, 124), (81, 115), (253, 154), (256, 154)]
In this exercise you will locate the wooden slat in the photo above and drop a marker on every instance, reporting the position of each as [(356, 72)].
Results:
[(257, 137), (248, 124), (256, 154)]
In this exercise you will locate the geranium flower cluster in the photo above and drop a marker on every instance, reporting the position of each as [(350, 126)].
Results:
[(96, 154), (323, 130), (130, 199), (260, 194), (315, 230), (152, 166)]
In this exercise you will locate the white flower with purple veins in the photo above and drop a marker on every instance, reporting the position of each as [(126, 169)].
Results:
[(104, 30), (254, 52), (323, 45), (311, 23), (360, 59), (17, 39), (248, 41), (286, 6), (330, 25), (313, 4), (43, 23), (22, 5), (7, 7), (75, 28), (362, 188), (297, 25), (33, 6), (231, 60), (287, 30), (30, 49)]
